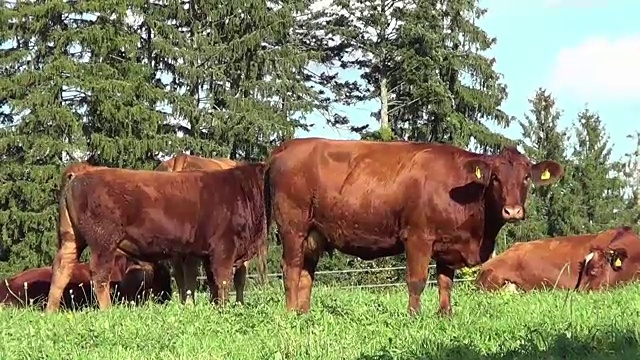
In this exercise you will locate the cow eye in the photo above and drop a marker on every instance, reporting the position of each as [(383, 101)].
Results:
[(527, 178)]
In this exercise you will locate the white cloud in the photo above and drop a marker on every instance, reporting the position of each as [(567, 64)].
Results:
[(599, 69)]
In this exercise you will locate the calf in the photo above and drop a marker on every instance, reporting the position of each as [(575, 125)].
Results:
[(539, 264), (612, 264), (186, 267), (220, 216)]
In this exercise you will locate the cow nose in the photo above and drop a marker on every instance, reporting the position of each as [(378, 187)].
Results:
[(513, 213)]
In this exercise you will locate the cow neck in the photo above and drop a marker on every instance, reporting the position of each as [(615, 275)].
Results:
[(493, 222)]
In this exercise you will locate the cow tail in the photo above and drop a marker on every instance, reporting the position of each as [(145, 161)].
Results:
[(66, 215), (263, 252)]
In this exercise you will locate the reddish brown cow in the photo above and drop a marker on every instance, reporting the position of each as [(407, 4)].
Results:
[(186, 268), (540, 264), (154, 215), (373, 199), (616, 263), (31, 287)]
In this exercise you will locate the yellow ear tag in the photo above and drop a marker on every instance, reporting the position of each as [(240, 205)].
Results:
[(617, 263), (478, 172), (546, 175)]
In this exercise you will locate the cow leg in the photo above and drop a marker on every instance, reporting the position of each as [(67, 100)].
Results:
[(313, 248), (222, 270), (65, 260), (190, 276), (101, 265), (445, 283), (239, 280), (177, 264), (211, 281), (292, 261), (418, 253)]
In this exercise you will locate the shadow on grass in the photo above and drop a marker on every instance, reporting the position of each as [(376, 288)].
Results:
[(618, 346)]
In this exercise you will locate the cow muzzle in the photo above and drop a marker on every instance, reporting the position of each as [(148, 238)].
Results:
[(513, 213)]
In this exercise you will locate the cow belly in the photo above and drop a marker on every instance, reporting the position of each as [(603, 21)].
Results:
[(153, 248), (372, 250), (366, 245)]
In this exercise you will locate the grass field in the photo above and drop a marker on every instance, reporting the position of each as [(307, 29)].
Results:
[(343, 324)]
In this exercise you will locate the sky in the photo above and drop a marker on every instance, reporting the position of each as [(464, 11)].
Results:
[(585, 52)]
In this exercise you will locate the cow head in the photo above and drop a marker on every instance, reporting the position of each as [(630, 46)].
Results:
[(507, 177), (595, 266)]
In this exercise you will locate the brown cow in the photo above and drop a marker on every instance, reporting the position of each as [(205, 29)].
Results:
[(614, 264), (373, 199), (540, 264), (186, 268), (31, 287), (154, 215)]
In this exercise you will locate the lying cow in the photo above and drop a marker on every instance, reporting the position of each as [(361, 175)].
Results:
[(612, 264), (375, 199), (217, 215), (540, 264), (186, 267), (32, 286)]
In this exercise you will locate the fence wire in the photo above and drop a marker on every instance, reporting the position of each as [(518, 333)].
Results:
[(349, 271)]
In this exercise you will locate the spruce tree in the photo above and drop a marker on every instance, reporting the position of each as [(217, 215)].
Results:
[(41, 127), (598, 195), (445, 89)]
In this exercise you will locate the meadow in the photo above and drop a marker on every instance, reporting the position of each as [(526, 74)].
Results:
[(343, 324)]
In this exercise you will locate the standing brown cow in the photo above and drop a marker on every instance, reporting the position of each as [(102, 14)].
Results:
[(612, 264), (219, 215), (540, 264), (373, 199), (186, 268)]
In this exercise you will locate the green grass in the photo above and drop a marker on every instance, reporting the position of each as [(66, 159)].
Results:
[(343, 324)]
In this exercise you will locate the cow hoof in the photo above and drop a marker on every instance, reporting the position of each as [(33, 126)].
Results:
[(414, 312), (444, 312)]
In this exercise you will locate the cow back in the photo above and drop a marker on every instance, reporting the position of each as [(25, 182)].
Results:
[(184, 162)]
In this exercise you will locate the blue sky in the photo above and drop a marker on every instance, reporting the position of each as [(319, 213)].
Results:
[(586, 52)]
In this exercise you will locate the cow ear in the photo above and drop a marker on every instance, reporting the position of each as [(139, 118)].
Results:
[(546, 173), (617, 257), (479, 169)]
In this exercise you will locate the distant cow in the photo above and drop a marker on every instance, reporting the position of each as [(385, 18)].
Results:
[(220, 216), (186, 267), (612, 264), (31, 287), (373, 199), (540, 264)]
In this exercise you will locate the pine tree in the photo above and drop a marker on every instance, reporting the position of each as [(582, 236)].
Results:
[(445, 89), (361, 36), (239, 75), (598, 197), (41, 127)]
